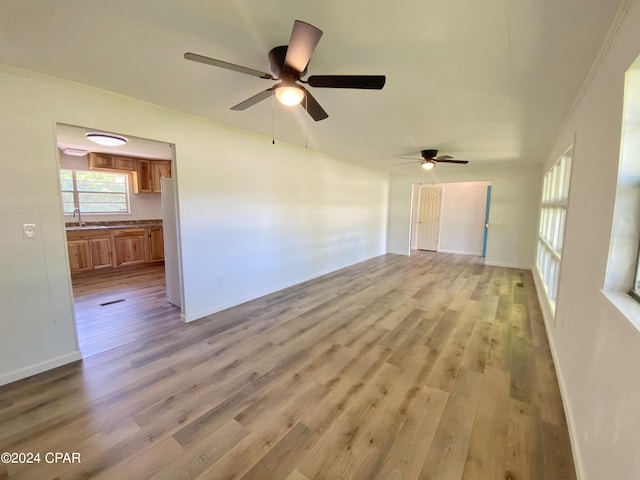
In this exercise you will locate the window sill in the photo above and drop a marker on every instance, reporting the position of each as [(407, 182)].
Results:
[(625, 304)]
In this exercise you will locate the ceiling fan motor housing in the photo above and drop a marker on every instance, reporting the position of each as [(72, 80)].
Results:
[(427, 154), (279, 69)]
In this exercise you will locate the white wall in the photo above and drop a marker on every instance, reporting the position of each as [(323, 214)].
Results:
[(596, 348), (142, 206), (515, 197), (463, 214), (254, 217)]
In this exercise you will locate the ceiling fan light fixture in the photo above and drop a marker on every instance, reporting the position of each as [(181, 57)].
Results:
[(289, 95), (106, 139), (428, 164)]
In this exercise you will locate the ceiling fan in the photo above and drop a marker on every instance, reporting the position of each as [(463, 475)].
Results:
[(289, 64), (430, 159)]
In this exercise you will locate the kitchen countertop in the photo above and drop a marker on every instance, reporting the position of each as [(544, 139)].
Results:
[(113, 225)]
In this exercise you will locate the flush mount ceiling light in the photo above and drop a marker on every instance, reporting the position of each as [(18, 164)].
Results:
[(428, 164), (106, 139), (289, 95), (74, 152)]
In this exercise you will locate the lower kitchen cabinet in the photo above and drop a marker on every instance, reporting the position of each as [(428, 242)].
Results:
[(92, 249), (101, 255), (79, 255), (130, 246), (156, 244), (89, 250)]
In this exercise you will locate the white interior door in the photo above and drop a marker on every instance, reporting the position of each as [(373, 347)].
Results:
[(429, 208)]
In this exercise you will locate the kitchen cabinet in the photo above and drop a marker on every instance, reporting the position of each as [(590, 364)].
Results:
[(101, 161), (142, 177), (145, 173), (89, 250), (148, 174), (79, 255), (106, 161), (101, 255), (124, 163), (159, 169), (156, 244), (111, 247), (130, 246)]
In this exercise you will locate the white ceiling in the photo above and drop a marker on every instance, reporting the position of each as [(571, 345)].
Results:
[(486, 81)]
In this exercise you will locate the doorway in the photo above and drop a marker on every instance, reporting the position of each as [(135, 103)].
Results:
[(450, 217), (120, 234)]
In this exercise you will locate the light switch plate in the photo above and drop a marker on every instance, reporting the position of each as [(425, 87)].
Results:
[(28, 231)]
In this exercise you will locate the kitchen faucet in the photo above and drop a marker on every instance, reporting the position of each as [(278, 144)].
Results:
[(79, 216)]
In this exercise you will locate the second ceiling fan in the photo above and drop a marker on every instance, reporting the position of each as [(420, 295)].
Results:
[(430, 159), (288, 64)]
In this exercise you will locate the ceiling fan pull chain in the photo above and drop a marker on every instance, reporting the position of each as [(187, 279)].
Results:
[(306, 125), (273, 120)]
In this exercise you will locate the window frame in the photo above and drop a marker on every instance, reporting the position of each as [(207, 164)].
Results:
[(633, 292), (554, 207), (77, 204)]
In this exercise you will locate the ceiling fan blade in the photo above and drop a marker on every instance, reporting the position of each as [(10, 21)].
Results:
[(407, 163), (411, 158), (229, 66), (369, 82), (463, 162), (303, 41), (312, 107), (249, 102), (443, 157)]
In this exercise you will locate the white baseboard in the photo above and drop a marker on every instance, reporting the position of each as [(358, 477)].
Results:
[(547, 316), (39, 368)]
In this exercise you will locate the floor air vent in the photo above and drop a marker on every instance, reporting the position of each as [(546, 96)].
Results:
[(111, 302)]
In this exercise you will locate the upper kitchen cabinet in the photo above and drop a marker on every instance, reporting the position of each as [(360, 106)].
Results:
[(148, 174), (142, 177), (125, 163), (159, 169), (101, 161), (106, 161)]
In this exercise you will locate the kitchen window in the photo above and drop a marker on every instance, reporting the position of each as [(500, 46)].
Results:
[(94, 192)]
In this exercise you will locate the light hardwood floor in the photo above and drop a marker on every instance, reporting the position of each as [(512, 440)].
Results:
[(432, 366)]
